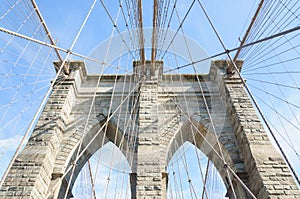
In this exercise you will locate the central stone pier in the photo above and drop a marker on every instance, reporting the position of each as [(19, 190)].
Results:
[(149, 115), (149, 179)]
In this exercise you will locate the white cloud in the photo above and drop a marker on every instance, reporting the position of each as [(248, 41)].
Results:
[(10, 143)]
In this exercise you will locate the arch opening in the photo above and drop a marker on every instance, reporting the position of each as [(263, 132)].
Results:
[(104, 175), (101, 154), (192, 175), (204, 142)]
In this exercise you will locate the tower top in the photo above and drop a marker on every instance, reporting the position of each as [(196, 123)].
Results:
[(152, 71)]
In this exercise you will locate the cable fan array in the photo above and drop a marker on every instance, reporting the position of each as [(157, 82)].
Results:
[(28, 48)]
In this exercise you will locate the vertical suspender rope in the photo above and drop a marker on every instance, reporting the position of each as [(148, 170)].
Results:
[(264, 119), (90, 142), (106, 126), (35, 118), (210, 118), (19, 146), (252, 98), (187, 107), (14, 97), (23, 49), (222, 158), (198, 159), (98, 82), (33, 121)]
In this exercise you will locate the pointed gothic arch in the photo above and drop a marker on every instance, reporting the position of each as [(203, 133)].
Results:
[(245, 143), (100, 133), (204, 139)]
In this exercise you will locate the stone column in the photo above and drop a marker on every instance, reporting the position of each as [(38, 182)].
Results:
[(268, 174), (31, 172), (148, 174), (148, 181)]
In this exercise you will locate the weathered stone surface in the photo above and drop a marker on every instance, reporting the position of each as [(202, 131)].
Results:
[(169, 111)]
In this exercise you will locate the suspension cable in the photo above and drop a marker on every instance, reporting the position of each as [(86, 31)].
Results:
[(227, 51), (186, 104), (54, 47), (92, 139), (230, 69), (41, 106), (141, 33), (154, 33), (46, 29), (179, 27), (92, 179), (251, 95)]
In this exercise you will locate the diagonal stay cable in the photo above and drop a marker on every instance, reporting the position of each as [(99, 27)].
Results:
[(46, 29), (218, 155), (288, 139), (45, 99), (92, 180), (227, 51), (112, 98), (90, 109), (185, 97), (277, 112), (276, 84), (279, 98), (204, 191), (109, 117), (179, 27), (263, 49), (247, 32), (277, 25), (178, 112), (252, 68), (251, 95), (24, 22), (116, 26), (210, 116), (10, 9), (274, 72), (23, 80), (55, 47)]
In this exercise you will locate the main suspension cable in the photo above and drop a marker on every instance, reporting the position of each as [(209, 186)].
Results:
[(252, 97)]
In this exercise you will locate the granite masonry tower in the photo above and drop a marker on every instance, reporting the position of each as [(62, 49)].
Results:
[(42, 169)]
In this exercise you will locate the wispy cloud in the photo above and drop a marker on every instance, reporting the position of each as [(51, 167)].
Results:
[(10, 143)]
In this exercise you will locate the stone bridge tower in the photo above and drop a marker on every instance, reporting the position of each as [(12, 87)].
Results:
[(62, 141)]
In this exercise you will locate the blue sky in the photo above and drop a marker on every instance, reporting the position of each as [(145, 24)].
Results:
[(229, 17), (64, 18)]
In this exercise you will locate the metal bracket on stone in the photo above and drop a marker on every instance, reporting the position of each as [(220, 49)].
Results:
[(65, 70), (101, 116), (230, 68)]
